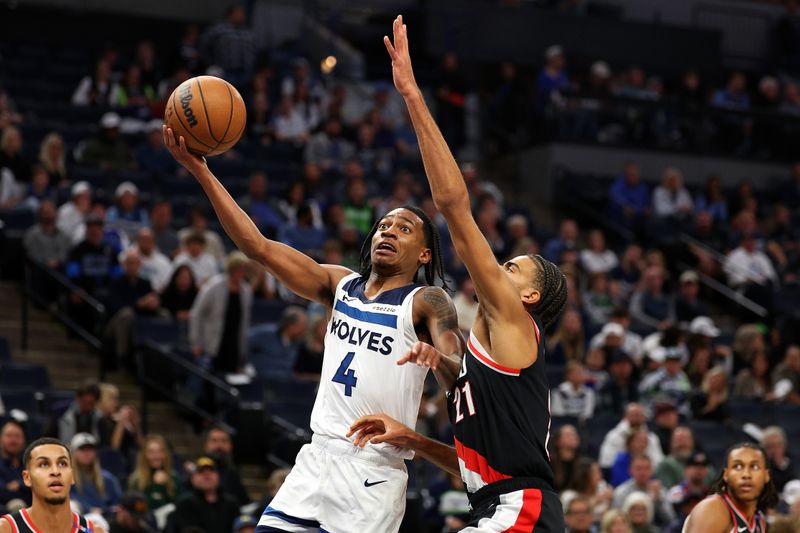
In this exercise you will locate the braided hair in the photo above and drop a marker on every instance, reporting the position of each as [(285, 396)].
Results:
[(433, 269), (553, 286), (769, 494)]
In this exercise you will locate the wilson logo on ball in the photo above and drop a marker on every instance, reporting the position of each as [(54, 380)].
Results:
[(186, 100)]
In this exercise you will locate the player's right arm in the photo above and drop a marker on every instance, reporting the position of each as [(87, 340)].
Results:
[(5, 527), (375, 429), (709, 516), (301, 274)]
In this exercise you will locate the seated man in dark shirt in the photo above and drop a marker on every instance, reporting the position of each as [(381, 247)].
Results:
[(206, 506), (12, 444)]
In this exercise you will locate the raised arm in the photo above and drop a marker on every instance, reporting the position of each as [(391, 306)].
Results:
[(375, 429), (497, 295), (301, 274)]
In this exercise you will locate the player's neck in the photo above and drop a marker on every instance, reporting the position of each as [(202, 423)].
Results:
[(747, 509), (380, 283), (51, 518)]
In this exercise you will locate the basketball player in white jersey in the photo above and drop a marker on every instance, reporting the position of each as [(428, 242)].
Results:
[(378, 317), (743, 491)]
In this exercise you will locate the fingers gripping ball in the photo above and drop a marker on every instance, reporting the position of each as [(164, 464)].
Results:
[(208, 112)]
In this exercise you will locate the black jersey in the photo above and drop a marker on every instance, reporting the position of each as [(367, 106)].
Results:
[(738, 519), (501, 419), (21, 523)]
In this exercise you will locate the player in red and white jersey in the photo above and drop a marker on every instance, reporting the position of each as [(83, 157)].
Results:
[(743, 491), (499, 404)]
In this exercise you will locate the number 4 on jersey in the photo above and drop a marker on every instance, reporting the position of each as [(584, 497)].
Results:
[(346, 377)]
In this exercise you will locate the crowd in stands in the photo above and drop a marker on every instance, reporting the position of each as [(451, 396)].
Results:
[(645, 364)]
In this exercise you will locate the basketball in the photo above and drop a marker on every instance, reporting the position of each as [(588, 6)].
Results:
[(209, 112)]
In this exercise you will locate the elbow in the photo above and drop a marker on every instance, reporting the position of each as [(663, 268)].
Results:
[(452, 201)]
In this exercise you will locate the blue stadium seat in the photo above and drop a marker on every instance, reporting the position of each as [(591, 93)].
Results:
[(114, 462), (162, 331), (5, 351), (24, 400), (267, 311), (56, 402), (24, 376)]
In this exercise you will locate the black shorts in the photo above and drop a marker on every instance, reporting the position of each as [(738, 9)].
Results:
[(516, 506)]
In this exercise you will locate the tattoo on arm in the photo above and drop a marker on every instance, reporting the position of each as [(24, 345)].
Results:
[(443, 309)]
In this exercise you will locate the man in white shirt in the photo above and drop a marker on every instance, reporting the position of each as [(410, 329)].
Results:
[(156, 268), (747, 265), (69, 219), (671, 199), (573, 397), (614, 442)]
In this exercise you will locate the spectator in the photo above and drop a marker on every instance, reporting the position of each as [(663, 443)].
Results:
[(587, 482), (614, 441), (12, 445), (44, 243), (688, 305), (786, 376), (220, 317), (218, 446), (578, 516), (96, 490), (614, 522), (567, 236), (568, 343), (454, 506), (651, 308), (51, 158), (713, 201), (711, 402), (641, 471), (119, 427), (179, 294), (328, 148), (665, 420), (668, 382), (82, 415), (195, 256), (230, 45), (308, 364), (37, 191), (72, 214), (155, 268), (259, 119), (154, 475), (160, 220), (285, 342), (596, 375), (259, 206), (573, 397), (617, 334), (295, 199), (598, 301), (754, 383), (749, 270), (198, 223), (275, 481), (12, 156), (671, 199), (695, 479), (126, 215), (94, 89), (552, 81), (358, 212), (670, 470), (206, 506), (132, 94), (597, 257), (734, 95), (635, 445), (152, 155), (621, 389), (782, 470), (131, 515), (107, 151), (629, 197), (467, 309), (564, 456), (638, 507), (290, 126), (683, 509)]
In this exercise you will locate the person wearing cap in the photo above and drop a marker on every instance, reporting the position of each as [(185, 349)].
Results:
[(617, 335), (132, 515), (126, 215), (107, 150), (621, 387), (667, 382), (688, 305), (696, 479), (218, 445), (205, 506), (553, 80), (152, 156), (72, 214), (245, 524), (95, 490)]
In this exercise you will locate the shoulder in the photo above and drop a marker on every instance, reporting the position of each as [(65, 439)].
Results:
[(709, 516), (5, 524), (432, 299)]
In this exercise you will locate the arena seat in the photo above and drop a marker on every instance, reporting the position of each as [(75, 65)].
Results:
[(24, 376), (24, 400), (5, 351), (113, 461)]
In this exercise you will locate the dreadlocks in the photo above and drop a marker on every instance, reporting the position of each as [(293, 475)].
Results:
[(769, 495), (553, 286), (433, 269)]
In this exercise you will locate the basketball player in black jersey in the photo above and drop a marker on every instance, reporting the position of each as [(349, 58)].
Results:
[(499, 403), (48, 473), (743, 491)]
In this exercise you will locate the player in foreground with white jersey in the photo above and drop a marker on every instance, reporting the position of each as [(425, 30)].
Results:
[(378, 316)]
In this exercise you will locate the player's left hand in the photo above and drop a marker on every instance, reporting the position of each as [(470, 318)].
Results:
[(422, 354), (402, 73), (375, 429)]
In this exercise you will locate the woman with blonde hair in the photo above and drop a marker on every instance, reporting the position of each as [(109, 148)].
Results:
[(711, 402), (51, 157), (154, 475), (638, 508), (95, 490), (614, 521), (119, 426)]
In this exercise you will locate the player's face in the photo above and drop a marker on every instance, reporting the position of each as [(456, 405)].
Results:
[(522, 270), (49, 473), (746, 474), (399, 243)]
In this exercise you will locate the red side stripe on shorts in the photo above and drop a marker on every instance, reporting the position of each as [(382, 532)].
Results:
[(529, 514), (478, 464)]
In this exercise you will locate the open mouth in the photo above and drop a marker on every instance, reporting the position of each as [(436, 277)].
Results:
[(56, 486), (386, 247)]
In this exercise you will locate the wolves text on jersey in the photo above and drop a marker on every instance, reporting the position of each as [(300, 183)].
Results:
[(374, 341)]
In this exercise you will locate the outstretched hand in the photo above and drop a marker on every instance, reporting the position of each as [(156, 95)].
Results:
[(375, 429), (191, 162), (402, 73), (422, 354)]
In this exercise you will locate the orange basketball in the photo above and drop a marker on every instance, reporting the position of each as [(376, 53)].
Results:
[(209, 112)]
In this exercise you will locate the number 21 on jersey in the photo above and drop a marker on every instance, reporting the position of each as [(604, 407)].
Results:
[(467, 393)]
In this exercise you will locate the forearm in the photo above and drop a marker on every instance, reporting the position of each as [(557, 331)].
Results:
[(447, 184), (436, 452), (447, 371)]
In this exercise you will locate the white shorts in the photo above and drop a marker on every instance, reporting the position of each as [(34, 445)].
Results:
[(339, 488)]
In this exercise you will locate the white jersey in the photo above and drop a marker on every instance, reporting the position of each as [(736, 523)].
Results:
[(360, 374)]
